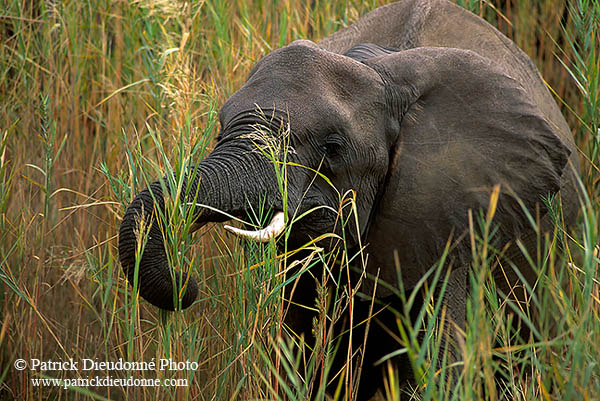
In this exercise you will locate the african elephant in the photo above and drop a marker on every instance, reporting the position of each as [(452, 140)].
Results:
[(421, 108)]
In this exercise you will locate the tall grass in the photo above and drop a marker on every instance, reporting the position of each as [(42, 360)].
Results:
[(101, 97)]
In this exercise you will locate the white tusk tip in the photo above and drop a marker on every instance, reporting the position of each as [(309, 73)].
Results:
[(275, 228)]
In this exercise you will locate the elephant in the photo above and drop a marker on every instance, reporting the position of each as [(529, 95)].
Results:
[(423, 110)]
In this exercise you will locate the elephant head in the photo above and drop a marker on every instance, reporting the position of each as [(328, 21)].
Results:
[(420, 135)]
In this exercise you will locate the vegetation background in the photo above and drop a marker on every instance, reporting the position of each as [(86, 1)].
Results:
[(100, 97)]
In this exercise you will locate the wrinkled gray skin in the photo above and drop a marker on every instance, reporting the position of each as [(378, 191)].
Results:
[(420, 107)]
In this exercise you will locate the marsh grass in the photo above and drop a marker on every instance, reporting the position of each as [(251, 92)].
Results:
[(99, 98)]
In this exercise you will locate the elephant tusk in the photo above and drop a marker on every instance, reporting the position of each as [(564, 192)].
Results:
[(275, 228)]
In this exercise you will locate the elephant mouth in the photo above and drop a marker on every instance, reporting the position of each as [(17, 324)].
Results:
[(308, 230), (271, 231), (312, 225)]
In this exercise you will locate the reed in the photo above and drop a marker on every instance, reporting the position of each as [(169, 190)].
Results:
[(101, 97)]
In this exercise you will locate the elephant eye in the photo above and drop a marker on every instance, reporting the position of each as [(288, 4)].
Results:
[(333, 147)]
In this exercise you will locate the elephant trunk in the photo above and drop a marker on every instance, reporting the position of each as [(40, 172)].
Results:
[(155, 281), (222, 182)]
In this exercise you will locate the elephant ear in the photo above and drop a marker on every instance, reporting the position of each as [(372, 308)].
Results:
[(458, 126)]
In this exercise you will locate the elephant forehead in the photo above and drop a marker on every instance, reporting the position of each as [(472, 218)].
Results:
[(300, 62), (285, 103), (305, 83)]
